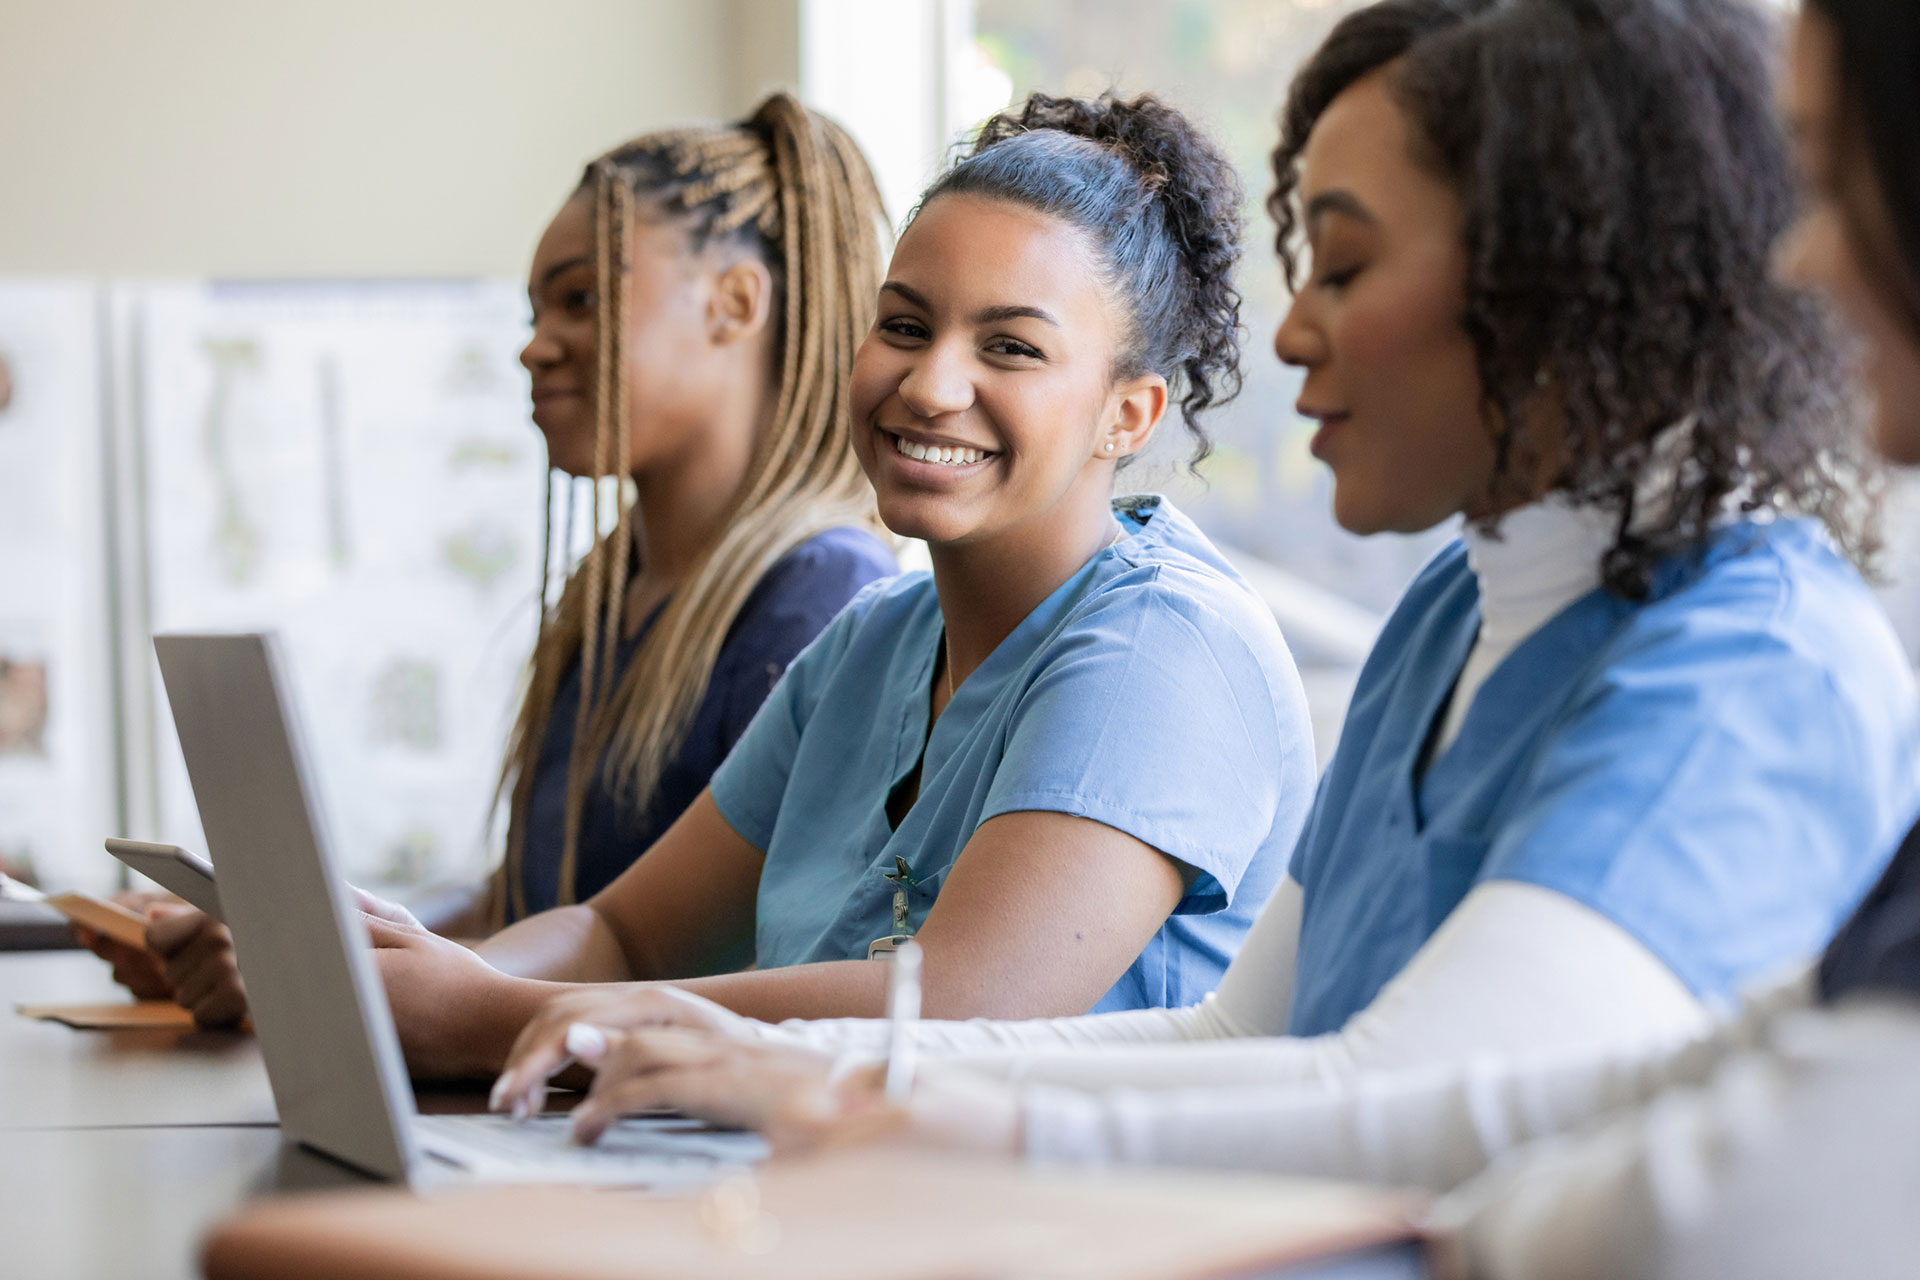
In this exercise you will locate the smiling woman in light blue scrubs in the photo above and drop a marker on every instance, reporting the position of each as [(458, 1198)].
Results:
[(1639, 737), (1072, 760), (1145, 645)]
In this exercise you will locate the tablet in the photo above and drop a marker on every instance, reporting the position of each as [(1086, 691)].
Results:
[(187, 874)]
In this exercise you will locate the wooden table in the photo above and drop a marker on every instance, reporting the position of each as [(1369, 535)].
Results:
[(119, 1149), (100, 1203), (59, 1078)]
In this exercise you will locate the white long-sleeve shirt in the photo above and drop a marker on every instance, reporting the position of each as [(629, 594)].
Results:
[(1781, 1146), (1516, 969)]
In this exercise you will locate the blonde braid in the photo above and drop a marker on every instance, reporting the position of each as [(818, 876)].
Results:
[(797, 182), (618, 308), (620, 542), (805, 478)]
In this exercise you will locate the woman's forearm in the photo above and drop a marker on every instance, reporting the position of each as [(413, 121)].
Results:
[(830, 989), (567, 944), (1252, 1001)]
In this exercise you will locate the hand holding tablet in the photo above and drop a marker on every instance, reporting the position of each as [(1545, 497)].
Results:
[(174, 869)]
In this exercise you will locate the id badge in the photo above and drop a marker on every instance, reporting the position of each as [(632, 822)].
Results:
[(903, 878)]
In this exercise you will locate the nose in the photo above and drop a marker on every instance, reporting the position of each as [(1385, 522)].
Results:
[(937, 383), (1298, 341), (542, 351)]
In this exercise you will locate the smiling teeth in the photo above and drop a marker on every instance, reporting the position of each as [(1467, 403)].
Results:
[(934, 453)]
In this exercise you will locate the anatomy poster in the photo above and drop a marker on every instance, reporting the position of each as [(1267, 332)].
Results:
[(352, 466), (58, 769)]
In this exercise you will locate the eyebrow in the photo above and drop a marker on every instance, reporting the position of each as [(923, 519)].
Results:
[(579, 260), (1338, 201), (986, 315)]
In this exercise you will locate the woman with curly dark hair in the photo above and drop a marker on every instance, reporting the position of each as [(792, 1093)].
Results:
[(1784, 1145), (951, 758), (1574, 804)]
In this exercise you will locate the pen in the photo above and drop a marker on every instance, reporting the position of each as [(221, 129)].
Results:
[(903, 1010)]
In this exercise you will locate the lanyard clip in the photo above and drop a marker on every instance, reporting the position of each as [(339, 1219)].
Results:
[(903, 879)]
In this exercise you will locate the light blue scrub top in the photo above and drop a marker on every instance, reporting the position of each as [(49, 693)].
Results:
[(1720, 770), (1151, 692)]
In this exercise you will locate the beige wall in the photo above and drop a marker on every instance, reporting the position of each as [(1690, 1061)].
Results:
[(340, 137)]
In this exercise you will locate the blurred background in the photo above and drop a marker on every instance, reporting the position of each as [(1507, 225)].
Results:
[(261, 296)]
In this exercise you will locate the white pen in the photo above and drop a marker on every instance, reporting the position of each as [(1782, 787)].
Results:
[(903, 1010)]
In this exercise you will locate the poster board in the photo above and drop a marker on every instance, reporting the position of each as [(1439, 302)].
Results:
[(352, 466), (59, 775)]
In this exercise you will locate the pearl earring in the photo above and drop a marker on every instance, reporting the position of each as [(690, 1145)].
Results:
[(1109, 446)]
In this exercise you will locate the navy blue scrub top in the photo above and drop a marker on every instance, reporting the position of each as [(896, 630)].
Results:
[(1879, 949), (793, 603), (1720, 769)]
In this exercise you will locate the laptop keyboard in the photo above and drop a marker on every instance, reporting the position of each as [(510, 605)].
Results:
[(639, 1150)]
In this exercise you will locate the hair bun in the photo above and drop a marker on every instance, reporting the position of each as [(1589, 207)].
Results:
[(1138, 130), (1190, 324)]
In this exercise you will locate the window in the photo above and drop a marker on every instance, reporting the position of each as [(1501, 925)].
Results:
[(1261, 495)]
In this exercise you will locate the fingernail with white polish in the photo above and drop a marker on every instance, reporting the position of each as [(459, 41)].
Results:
[(520, 1108), (498, 1095), (586, 1042)]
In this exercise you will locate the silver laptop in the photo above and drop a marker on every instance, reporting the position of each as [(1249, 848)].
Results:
[(318, 1007)]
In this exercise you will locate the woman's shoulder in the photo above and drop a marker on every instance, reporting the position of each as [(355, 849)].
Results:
[(1170, 569), (1770, 623), (1191, 563), (886, 606), (1781, 587), (805, 592), (843, 554), (1183, 560), (821, 575)]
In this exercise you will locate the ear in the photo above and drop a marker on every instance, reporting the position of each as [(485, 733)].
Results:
[(740, 303), (1134, 409)]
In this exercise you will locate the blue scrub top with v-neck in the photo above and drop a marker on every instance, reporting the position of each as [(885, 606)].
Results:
[(1721, 769), (1150, 692)]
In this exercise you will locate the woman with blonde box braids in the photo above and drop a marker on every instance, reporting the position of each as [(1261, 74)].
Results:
[(696, 304), (757, 244)]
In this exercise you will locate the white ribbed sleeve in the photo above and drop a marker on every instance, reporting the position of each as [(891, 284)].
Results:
[(1516, 969), (1784, 1153), (1430, 1126)]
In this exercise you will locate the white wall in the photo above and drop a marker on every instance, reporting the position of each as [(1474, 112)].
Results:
[(344, 137)]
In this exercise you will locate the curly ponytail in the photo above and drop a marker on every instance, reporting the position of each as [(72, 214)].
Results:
[(1162, 207)]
